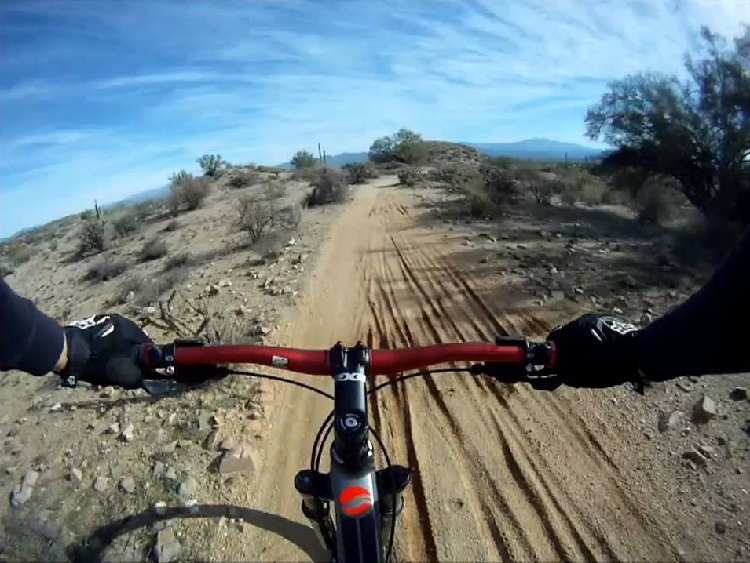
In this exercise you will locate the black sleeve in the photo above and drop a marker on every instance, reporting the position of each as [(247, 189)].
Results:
[(709, 333), (29, 339)]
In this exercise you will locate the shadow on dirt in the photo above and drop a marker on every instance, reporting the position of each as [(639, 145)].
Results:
[(92, 548)]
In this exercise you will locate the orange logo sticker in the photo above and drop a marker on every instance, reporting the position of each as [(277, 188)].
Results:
[(355, 500)]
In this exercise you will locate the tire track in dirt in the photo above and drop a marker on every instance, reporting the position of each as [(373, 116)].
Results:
[(499, 473), (532, 325)]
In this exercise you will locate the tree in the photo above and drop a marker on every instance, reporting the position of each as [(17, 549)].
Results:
[(212, 164), (403, 146), (303, 159), (381, 150), (697, 131)]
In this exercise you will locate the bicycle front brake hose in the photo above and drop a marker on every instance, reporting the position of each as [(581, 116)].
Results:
[(417, 374), (282, 379)]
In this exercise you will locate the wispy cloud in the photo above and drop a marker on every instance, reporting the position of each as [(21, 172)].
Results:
[(99, 99)]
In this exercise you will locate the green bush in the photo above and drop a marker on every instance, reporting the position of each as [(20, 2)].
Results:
[(177, 261), (187, 191), (18, 253), (655, 203), (126, 224), (153, 250), (242, 178), (212, 164), (457, 175), (403, 146), (256, 216), (302, 160), (409, 176), (93, 237), (542, 190), (88, 214), (309, 175), (498, 183), (360, 172), (105, 269), (172, 226), (330, 187)]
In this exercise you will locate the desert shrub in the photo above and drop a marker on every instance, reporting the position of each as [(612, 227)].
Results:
[(105, 269), (270, 169), (592, 193), (309, 175), (409, 176), (212, 164), (360, 172), (542, 190), (569, 195), (655, 203), (153, 249), (18, 253), (241, 178), (172, 226), (187, 191), (292, 215), (614, 196), (126, 224), (88, 214), (256, 216), (5, 270), (480, 203), (148, 291), (53, 245), (498, 183), (457, 175), (178, 260), (403, 146), (302, 160), (274, 190), (94, 237), (330, 187)]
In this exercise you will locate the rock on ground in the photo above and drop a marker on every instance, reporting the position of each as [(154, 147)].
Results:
[(704, 410), (242, 458), (167, 548), (128, 484), (101, 484)]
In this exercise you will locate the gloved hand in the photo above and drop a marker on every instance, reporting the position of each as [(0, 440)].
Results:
[(100, 351), (596, 351)]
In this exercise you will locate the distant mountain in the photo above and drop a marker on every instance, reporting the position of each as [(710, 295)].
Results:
[(145, 195), (537, 149)]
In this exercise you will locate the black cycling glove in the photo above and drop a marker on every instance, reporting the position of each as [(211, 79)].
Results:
[(596, 351), (100, 351)]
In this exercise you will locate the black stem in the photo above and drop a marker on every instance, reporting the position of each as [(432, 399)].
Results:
[(317, 439)]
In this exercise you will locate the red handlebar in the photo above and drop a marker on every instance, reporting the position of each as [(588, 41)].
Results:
[(382, 362)]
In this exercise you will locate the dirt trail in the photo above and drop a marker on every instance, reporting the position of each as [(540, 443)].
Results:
[(499, 473)]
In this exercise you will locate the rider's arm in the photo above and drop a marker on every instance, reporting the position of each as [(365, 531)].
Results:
[(29, 340), (706, 334)]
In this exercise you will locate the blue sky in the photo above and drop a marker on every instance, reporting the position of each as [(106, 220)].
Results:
[(102, 99)]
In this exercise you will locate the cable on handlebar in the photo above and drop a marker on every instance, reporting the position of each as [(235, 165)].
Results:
[(417, 374), (283, 379)]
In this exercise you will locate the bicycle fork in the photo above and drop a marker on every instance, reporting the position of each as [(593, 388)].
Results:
[(316, 492)]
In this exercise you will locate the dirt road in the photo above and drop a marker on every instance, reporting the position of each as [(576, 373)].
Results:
[(499, 473)]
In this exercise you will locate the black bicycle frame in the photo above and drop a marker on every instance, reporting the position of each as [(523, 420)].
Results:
[(363, 497)]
